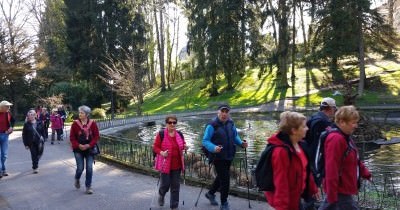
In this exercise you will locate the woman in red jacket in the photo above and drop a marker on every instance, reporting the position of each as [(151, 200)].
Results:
[(342, 165), (169, 161), (84, 136), (291, 171)]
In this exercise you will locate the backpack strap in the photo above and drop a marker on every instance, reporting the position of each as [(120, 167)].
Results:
[(161, 134)]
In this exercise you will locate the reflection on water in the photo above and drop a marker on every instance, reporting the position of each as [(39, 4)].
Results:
[(256, 128)]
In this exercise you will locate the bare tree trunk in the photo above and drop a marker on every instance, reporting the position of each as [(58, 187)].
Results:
[(283, 44), (273, 23), (390, 20), (160, 44), (303, 28), (293, 77), (176, 51), (169, 57), (151, 75), (313, 10), (361, 56), (243, 38)]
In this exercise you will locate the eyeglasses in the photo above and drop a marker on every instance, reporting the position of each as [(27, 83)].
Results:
[(172, 122)]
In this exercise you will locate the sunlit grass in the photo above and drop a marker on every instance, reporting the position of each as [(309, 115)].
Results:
[(191, 95)]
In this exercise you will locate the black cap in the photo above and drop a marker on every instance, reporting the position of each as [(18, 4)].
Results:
[(224, 106)]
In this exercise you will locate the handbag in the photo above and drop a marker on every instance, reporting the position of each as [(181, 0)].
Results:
[(95, 150), (40, 144)]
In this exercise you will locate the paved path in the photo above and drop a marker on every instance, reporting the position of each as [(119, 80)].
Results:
[(114, 188)]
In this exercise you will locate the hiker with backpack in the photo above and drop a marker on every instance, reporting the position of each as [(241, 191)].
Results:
[(84, 135), (220, 140), (169, 146), (33, 138), (291, 178), (317, 124), (343, 168)]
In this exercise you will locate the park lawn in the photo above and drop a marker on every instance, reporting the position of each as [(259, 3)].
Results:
[(188, 95)]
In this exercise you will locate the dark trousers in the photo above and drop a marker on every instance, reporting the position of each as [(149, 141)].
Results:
[(344, 202), (46, 130), (171, 180), (222, 180), (34, 148), (59, 133)]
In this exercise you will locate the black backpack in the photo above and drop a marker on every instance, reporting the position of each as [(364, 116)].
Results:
[(264, 171), (161, 133), (319, 164)]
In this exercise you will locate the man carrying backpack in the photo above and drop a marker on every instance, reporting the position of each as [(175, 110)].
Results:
[(317, 123), (220, 138), (343, 168)]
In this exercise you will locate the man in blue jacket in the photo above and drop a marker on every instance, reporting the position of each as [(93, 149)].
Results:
[(220, 139)]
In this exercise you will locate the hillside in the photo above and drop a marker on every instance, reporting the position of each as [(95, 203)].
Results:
[(383, 88)]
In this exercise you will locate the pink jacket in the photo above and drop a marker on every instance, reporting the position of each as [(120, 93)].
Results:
[(56, 121), (164, 164)]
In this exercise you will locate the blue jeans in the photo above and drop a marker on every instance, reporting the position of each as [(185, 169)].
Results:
[(3, 150), (79, 158)]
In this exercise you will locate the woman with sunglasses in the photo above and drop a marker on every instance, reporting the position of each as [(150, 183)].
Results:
[(169, 146)]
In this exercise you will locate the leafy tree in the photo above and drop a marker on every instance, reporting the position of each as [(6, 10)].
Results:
[(15, 54), (216, 36), (348, 28)]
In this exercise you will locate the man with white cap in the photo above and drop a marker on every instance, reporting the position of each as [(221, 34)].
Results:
[(6, 128), (318, 122)]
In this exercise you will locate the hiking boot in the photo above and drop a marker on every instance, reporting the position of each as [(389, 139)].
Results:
[(224, 206), (89, 190), (160, 200), (211, 198), (77, 184)]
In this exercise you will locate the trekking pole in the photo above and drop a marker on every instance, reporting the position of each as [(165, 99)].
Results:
[(158, 182), (202, 185), (247, 177), (184, 175)]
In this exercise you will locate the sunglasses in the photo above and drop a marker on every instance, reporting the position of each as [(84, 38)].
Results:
[(172, 122)]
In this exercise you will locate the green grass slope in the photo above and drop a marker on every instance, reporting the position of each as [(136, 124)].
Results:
[(310, 86)]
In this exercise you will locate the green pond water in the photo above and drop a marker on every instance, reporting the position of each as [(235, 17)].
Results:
[(256, 128)]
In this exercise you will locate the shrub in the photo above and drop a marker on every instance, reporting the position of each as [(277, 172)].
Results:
[(98, 113), (72, 115)]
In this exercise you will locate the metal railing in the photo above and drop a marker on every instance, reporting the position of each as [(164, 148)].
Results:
[(379, 194)]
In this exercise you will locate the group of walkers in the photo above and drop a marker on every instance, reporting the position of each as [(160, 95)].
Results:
[(84, 135), (295, 177)]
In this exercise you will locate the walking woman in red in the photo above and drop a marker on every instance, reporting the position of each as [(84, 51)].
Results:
[(169, 146), (292, 175), (343, 168), (84, 135)]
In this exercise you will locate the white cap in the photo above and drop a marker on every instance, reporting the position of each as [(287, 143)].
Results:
[(5, 103), (328, 102)]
